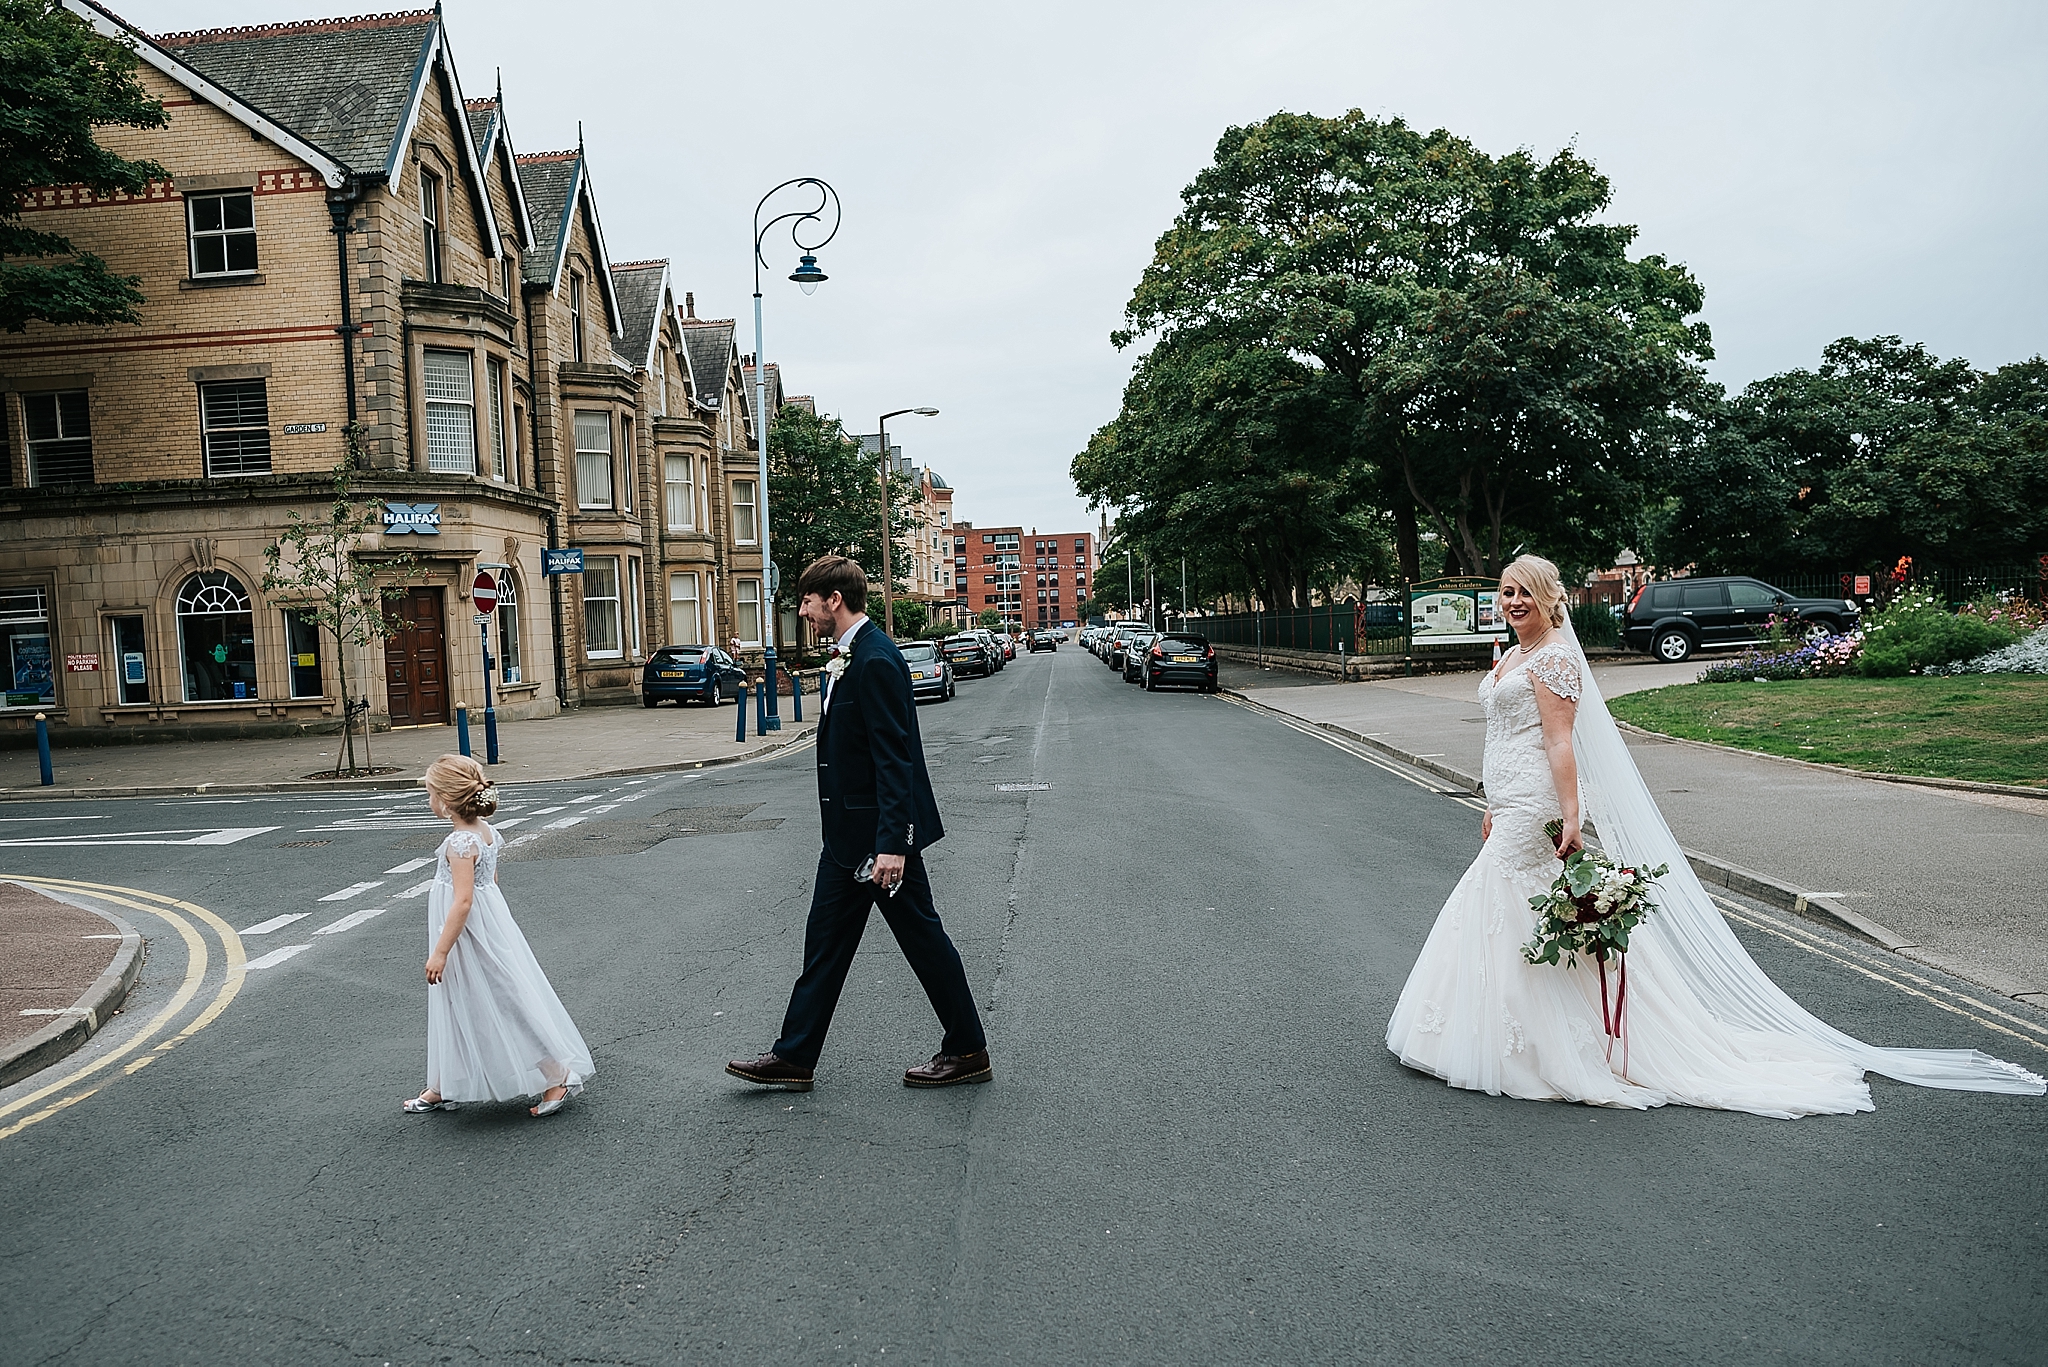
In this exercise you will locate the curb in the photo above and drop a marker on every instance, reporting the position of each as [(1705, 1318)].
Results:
[(1914, 780), (85, 1017), (373, 785), (1747, 882)]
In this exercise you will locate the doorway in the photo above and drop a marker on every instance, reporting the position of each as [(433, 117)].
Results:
[(416, 658)]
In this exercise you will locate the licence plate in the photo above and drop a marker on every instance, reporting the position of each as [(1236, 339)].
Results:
[(674, 674), (1184, 659)]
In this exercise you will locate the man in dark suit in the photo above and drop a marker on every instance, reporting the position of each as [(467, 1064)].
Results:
[(875, 801)]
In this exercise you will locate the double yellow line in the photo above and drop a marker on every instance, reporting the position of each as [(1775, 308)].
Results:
[(71, 1089)]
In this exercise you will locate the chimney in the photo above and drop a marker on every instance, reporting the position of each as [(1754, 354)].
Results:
[(690, 303)]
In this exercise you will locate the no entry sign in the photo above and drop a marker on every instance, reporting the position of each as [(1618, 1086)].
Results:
[(483, 593)]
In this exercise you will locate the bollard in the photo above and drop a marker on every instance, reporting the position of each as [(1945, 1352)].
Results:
[(43, 748), (740, 731), (761, 710), (462, 728), (796, 697), (490, 735)]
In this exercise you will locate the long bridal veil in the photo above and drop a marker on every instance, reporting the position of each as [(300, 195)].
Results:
[(1696, 939)]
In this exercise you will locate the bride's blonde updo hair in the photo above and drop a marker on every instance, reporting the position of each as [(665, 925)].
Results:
[(460, 782), (1541, 578)]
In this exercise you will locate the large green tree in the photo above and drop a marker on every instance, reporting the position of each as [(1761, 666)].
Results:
[(1883, 450), (59, 80), (825, 498), (1497, 365)]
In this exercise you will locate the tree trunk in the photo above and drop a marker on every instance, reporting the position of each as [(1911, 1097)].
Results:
[(348, 733)]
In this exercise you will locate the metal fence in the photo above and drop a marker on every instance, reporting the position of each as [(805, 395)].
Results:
[(1953, 586), (1333, 629)]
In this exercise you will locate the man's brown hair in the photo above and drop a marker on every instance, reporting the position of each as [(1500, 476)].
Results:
[(830, 574)]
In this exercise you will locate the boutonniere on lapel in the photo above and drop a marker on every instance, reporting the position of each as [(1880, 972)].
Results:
[(836, 665)]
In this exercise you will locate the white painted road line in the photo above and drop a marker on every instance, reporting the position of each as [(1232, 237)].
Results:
[(276, 923), (530, 835), (600, 811), (274, 957), (588, 797), (352, 890), (501, 825), (632, 797), (409, 865), (564, 822), (351, 921), (203, 835), (416, 889), (545, 811)]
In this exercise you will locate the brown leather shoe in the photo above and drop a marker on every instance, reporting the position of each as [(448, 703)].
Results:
[(946, 1070), (771, 1070)]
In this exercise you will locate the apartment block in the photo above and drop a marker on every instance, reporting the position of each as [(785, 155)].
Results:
[(1033, 579)]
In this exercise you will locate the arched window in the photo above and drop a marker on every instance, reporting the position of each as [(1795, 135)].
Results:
[(216, 638), (508, 631)]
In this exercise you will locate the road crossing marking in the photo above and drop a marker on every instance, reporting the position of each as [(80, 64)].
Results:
[(530, 835), (409, 865), (274, 958), (276, 923), (352, 890), (565, 822), (11, 819), (501, 825), (199, 835), (415, 890), (600, 811), (351, 921), (545, 811), (588, 797)]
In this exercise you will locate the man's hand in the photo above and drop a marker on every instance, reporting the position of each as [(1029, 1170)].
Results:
[(889, 871)]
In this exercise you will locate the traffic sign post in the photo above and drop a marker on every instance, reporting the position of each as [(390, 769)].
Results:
[(483, 596)]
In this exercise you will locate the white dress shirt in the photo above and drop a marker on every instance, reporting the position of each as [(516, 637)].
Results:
[(845, 653)]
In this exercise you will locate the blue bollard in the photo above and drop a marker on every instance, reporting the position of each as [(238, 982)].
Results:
[(740, 732), (761, 710), (491, 735), (796, 697), (462, 728), (43, 748)]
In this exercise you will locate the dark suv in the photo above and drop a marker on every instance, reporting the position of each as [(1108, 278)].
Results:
[(1673, 619)]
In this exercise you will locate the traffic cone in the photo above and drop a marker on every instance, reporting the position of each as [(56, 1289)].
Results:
[(1496, 650)]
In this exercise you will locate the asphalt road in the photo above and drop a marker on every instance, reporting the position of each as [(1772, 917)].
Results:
[(1196, 1148)]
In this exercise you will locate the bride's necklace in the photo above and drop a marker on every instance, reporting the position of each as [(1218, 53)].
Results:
[(1529, 648)]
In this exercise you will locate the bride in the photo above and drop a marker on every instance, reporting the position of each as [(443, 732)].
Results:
[(1705, 1026)]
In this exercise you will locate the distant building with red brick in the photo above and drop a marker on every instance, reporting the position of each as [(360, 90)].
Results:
[(1033, 579)]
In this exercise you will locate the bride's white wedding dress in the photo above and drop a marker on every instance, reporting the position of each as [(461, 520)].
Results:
[(1705, 1026)]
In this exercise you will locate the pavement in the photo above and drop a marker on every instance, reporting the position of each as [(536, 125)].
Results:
[(1185, 921), (576, 744), (1952, 878)]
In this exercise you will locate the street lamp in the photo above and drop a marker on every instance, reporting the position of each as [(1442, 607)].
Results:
[(807, 277), (888, 575)]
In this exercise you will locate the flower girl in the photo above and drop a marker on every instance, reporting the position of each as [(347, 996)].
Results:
[(496, 1031)]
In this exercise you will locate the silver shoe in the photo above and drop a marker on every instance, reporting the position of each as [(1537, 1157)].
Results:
[(419, 1105), (550, 1107)]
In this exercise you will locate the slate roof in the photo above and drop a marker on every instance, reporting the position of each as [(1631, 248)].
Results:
[(639, 286), (548, 179), (775, 396), (708, 347), (345, 85), (483, 125)]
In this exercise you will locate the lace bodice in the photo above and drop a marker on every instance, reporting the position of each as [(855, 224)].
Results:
[(466, 843), (1519, 790)]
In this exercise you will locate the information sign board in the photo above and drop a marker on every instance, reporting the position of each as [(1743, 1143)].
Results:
[(1456, 611), (561, 562)]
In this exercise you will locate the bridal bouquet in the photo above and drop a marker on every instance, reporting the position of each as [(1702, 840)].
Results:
[(1591, 908)]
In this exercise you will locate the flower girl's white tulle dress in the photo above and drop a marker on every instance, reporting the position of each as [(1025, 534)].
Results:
[(1704, 1025), (496, 1031)]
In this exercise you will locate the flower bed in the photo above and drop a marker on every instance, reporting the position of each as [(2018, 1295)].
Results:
[(2028, 655)]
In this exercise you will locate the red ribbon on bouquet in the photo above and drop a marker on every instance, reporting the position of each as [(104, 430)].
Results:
[(1615, 1022)]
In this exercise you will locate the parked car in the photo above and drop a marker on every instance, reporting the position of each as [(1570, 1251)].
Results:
[(931, 673), (1673, 619), (1113, 645), (691, 674), (993, 646), (1043, 640), (1135, 645), (1179, 657), (968, 654), (1009, 645)]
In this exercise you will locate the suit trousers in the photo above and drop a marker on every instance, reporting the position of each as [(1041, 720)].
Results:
[(839, 916)]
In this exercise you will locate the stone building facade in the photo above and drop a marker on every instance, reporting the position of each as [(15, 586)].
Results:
[(344, 242)]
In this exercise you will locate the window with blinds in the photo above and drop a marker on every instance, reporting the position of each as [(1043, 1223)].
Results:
[(593, 459), (234, 417), (680, 491), (451, 413)]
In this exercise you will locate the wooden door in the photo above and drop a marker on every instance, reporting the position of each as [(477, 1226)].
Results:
[(416, 659)]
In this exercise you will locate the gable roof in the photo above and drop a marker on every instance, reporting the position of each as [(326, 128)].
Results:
[(342, 94), (557, 184), (494, 141), (641, 285), (775, 398), (709, 348)]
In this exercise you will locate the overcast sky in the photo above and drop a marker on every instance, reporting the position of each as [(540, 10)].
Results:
[(1825, 169)]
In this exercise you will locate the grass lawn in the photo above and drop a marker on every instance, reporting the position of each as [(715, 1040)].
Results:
[(1990, 728)]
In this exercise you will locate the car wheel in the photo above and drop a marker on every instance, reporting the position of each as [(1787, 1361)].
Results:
[(649, 702), (1151, 684), (1672, 646), (1831, 625)]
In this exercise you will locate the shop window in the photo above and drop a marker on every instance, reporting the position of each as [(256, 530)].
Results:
[(234, 418), (223, 233), (601, 607), (25, 640), (216, 638), (745, 530), (451, 413), (509, 670), (679, 492), (685, 614), (59, 437), (302, 640), (593, 460), (749, 624), (127, 661)]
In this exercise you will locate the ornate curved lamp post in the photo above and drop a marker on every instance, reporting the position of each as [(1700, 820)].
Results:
[(807, 277), (888, 574)]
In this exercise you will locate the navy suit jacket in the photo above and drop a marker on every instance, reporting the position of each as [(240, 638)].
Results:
[(874, 795)]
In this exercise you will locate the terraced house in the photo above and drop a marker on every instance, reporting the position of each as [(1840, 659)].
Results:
[(344, 240)]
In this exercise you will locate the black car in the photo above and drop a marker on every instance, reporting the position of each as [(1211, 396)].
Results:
[(1044, 640), (1135, 645), (1673, 619), (968, 655), (691, 674), (1179, 657), (931, 673)]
